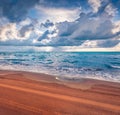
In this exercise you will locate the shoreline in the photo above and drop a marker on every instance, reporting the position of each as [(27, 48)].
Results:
[(35, 94), (82, 83), (55, 76)]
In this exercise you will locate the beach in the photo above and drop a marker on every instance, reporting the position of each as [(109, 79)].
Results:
[(59, 57), (25, 93)]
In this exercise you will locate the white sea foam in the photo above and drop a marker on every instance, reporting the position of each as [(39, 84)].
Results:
[(115, 66), (63, 75)]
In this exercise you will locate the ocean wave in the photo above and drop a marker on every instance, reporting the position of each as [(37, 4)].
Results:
[(68, 66), (115, 66), (70, 74), (111, 66)]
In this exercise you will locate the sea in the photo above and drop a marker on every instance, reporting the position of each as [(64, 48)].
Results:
[(64, 65)]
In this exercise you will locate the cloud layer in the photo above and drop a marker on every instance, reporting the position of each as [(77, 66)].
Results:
[(88, 23)]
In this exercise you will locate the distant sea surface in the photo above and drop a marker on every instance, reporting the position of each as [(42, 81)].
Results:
[(65, 65)]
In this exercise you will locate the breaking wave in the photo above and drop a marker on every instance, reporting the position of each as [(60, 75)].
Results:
[(65, 65)]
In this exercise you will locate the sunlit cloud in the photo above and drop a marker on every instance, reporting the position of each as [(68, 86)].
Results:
[(95, 4), (59, 14)]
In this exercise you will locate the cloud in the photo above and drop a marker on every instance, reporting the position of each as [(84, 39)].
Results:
[(100, 43), (103, 8), (11, 32), (58, 14), (48, 36), (47, 24), (16, 10), (91, 27), (26, 30), (95, 4), (85, 28), (110, 10), (108, 43), (116, 29), (63, 23), (117, 47)]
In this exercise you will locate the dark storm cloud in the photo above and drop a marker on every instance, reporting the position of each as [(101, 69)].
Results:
[(44, 36), (47, 24), (16, 10), (25, 29)]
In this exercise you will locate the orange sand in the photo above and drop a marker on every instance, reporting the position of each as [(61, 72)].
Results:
[(23, 93)]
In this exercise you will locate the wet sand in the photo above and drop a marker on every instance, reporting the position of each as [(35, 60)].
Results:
[(24, 93)]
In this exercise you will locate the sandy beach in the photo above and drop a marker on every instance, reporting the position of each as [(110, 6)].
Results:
[(24, 93)]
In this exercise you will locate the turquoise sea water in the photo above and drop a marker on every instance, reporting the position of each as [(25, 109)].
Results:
[(66, 65)]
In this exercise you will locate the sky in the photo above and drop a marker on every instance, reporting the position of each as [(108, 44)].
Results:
[(71, 24)]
